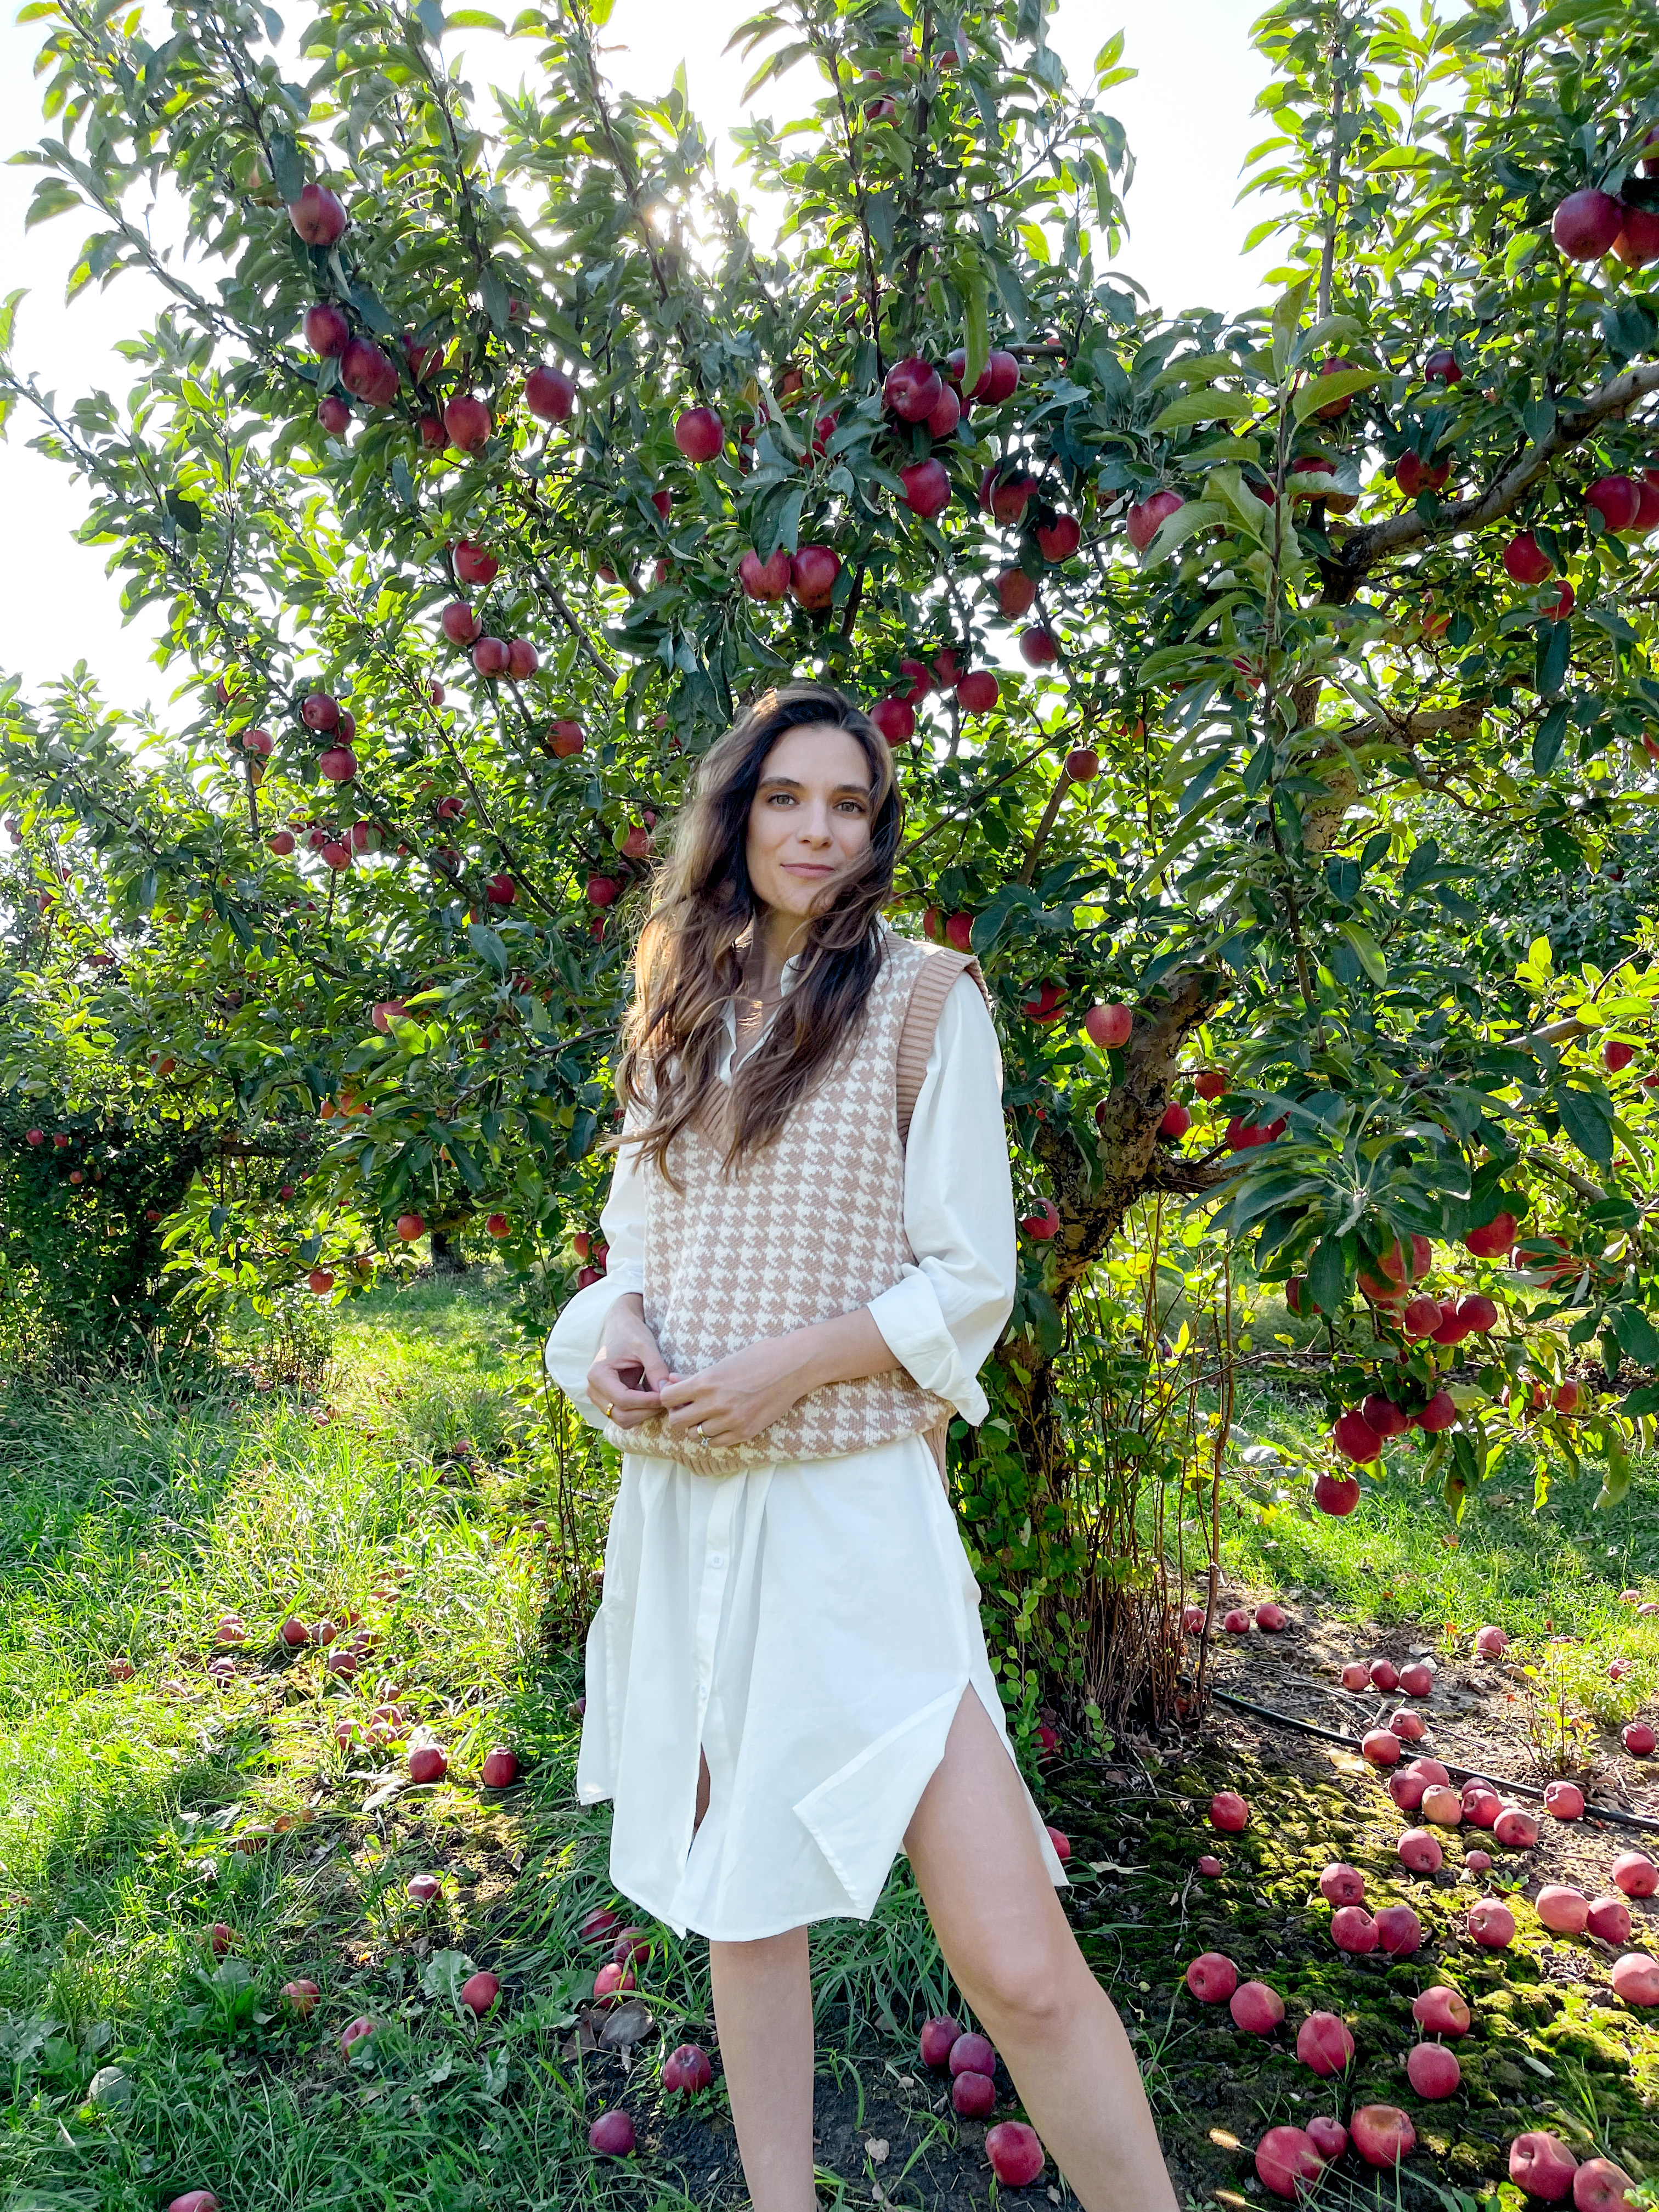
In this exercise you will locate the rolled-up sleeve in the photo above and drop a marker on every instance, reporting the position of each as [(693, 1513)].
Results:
[(942, 1318), (574, 1343)]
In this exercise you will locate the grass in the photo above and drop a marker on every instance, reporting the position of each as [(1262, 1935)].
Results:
[(136, 1812)]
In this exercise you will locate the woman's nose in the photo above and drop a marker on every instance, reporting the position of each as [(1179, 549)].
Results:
[(812, 823)]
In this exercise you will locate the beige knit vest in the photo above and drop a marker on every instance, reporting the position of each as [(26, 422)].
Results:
[(808, 1229)]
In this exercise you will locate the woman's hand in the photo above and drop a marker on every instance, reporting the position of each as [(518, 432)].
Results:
[(732, 1401), (627, 1376)]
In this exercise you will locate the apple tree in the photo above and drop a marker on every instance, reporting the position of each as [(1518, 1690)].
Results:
[(1252, 678)]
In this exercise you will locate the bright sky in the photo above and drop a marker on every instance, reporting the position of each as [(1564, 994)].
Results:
[(1188, 115)]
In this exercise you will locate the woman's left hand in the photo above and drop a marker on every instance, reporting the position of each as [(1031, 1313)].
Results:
[(731, 1402)]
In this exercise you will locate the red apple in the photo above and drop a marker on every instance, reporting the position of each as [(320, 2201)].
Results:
[(1340, 1884), (550, 393), (1256, 2007), (1038, 647), (1209, 1866), (1324, 2044), (423, 1889), (1635, 1873), (319, 217), (1381, 1746), (334, 414), (699, 434), (1271, 1617), (467, 422), (1382, 2134), (1432, 2071), (338, 764), (1016, 593), (611, 2134), (958, 932), (410, 1226), (1336, 1494), (1516, 1827), (1525, 559), (1229, 1813), (1059, 539), (1399, 1931), (1108, 1026), (478, 1992), (1414, 474), (353, 2033), (1564, 1800), (522, 659), (490, 656), (1212, 1977), (1442, 1805), (1617, 500), (1638, 1740), (938, 2035), (194, 2200), (368, 374), (978, 691), (912, 389), (1236, 1622), (1442, 367), (1491, 1923), (567, 741), (1143, 519), (1541, 2165), (1478, 1862), (1416, 1680), (299, 1996), (927, 487), (973, 2053), (1004, 498), (1288, 2163), (812, 574), (686, 2070), (500, 1765), (896, 721), (1328, 2136), (1494, 1239), (1015, 2152), (1599, 2185), (1352, 1930), (973, 2095), (764, 580), (1441, 2011), (1419, 1850), (428, 1762), (1192, 1620), (1439, 1414), (1585, 225), (1354, 1435), (327, 331), (1083, 764), (945, 414), (1563, 1912), (1608, 1918), (1481, 1803)]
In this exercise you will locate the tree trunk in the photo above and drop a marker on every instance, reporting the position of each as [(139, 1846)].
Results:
[(447, 1256)]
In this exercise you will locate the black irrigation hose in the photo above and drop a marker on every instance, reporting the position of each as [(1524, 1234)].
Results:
[(1592, 1812)]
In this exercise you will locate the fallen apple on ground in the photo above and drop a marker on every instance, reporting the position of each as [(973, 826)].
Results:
[(1599, 2185), (1209, 1866), (1635, 1873), (1419, 1850), (299, 1996), (1288, 2162), (1354, 1929), (1212, 1977), (1440, 2010), (1607, 1919), (1541, 2164), (611, 2134), (1015, 2152), (1328, 2136), (1432, 2071), (1491, 1923), (428, 1762), (1399, 1931), (938, 2034), (687, 2069), (1562, 1910), (973, 2095), (1256, 2007), (1324, 2044), (1636, 1978), (1564, 1800), (478, 1992), (1382, 2134), (1340, 1884), (1229, 1813)]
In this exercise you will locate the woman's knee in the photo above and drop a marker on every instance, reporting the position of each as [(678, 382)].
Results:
[(1025, 1987)]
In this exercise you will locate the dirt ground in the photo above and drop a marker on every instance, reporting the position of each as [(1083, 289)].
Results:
[(1551, 2047)]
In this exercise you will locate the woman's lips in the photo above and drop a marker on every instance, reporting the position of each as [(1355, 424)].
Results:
[(805, 868)]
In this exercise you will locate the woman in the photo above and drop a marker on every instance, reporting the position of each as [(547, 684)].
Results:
[(787, 1678)]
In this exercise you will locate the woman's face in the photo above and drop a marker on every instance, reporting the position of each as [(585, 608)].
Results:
[(809, 817)]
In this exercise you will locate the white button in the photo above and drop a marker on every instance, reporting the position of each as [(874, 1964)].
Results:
[(717, 1559)]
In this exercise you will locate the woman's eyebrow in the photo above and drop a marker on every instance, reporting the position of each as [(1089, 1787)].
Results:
[(794, 783)]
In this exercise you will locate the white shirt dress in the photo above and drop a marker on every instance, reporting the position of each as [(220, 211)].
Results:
[(811, 1626)]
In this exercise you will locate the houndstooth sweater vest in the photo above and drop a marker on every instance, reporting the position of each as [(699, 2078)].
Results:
[(808, 1229)]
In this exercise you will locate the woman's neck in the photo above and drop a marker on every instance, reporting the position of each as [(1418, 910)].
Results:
[(775, 937)]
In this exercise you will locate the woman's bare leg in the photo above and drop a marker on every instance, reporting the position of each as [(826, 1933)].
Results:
[(1010, 1946), (764, 2011)]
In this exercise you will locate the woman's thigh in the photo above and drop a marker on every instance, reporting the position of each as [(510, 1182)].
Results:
[(981, 1872)]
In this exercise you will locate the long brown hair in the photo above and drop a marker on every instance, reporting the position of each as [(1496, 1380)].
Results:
[(688, 965)]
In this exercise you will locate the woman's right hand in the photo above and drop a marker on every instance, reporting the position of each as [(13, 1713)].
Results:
[(628, 1372)]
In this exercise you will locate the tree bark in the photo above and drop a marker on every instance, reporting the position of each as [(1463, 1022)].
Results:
[(448, 1258)]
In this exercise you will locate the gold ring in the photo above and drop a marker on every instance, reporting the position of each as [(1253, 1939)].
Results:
[(610, 1413), (702, 1432)]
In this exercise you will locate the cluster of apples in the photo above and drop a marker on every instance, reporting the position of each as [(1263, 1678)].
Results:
[(686, 2070), (1015, 2150)]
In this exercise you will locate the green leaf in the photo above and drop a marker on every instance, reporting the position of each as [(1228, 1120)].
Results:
[(487, 945), (1365, 950), (1208, 405), (1585, 1118), (1548, 739), (976, 322), (1320, 390), (287, 167), (1636, 1335), (1327, 1274), (1197, 514)]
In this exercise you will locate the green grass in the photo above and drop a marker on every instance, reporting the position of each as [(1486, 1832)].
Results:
[(1537, 1570), (137, 1813)]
